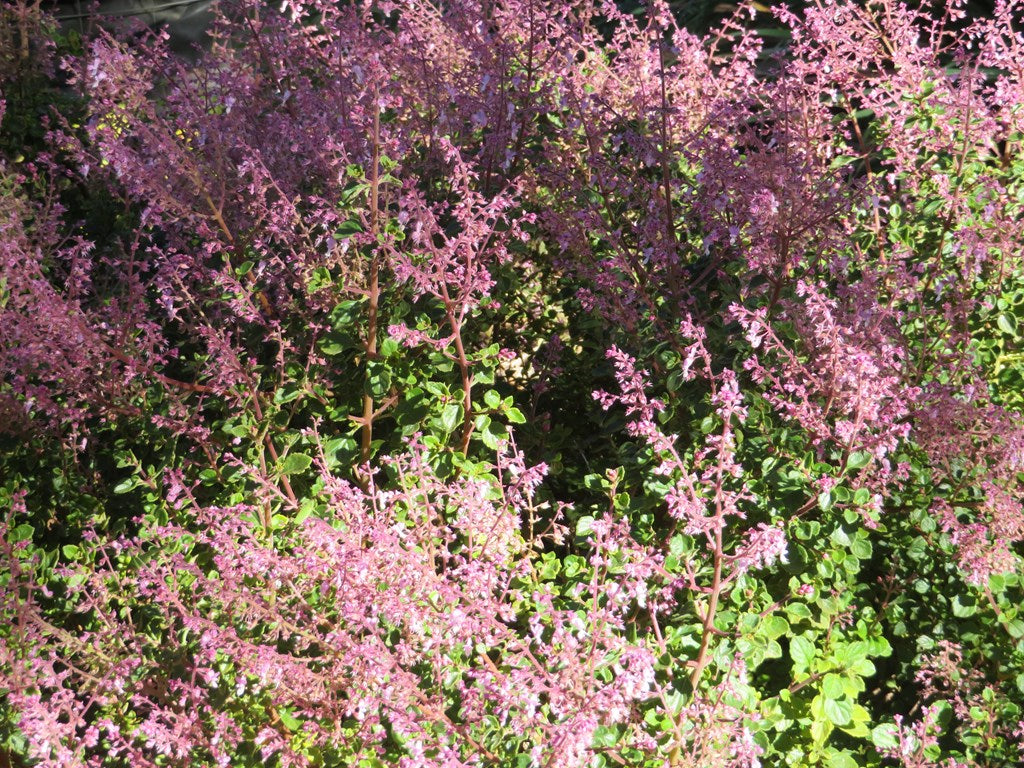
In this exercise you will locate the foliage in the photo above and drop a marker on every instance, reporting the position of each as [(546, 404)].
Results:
[(514, 383)]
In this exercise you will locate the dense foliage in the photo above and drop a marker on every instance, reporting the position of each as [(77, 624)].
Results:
[(514, 383)]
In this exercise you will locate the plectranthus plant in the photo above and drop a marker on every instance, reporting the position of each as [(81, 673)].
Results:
[(531, 383)]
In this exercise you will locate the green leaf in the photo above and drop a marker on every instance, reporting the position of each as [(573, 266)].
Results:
[(290, 722), (964, 606), (287, 393), (862, 667), (797, 611), (879, 646), (348, 228), (832, 686), (493, 435), (336, 446), (775, 626), (853, 686), (861, 715), (320, 279), (550, 566), (585, 526), (842, 760), (861, 548), (346, 315), (1007, 323), (606, 736), (851, 654), (918, 548), (821, 729), (885, 736), (574, 564), (858, 460), (515, 416), (388, 347), (801, 651), (857, 729), (294, 463), (840, 538), (450, 417), (378, 379), (333, 344), (679, 544), (838, 711)]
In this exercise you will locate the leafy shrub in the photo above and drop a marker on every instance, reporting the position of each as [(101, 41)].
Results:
[(522, 383)]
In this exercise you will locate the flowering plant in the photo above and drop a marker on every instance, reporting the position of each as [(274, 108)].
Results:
[(515, 383)]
